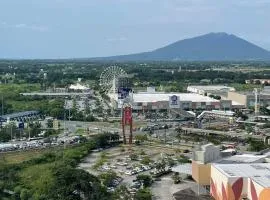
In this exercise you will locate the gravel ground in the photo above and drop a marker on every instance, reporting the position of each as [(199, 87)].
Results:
[(164, 189)]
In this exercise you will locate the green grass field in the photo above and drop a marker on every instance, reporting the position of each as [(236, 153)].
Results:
[(19, 157)]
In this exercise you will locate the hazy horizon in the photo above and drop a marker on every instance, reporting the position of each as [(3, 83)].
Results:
[(54, 29)]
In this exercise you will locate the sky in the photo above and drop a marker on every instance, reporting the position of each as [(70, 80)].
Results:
[(93, 28)]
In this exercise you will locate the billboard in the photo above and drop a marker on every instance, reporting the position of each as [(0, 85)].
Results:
[(174, 101), (21, 125), (123, 92)]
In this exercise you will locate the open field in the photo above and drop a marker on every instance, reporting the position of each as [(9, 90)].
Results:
[(21, 156)]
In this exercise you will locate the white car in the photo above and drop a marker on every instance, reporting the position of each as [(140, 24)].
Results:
[(106, 167), (128, 173)]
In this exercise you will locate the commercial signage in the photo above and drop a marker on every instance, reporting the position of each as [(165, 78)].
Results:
[(21, 125), (174, 101), (123, 92)]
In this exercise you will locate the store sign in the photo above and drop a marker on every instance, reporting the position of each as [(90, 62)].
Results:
[(123, 92), (21, 125), (174, 101)]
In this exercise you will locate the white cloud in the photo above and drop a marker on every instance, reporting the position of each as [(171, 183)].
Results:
[(39, 28), (20, 26), (116, 39)]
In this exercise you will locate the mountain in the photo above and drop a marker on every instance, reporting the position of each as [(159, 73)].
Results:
[(209, 47)]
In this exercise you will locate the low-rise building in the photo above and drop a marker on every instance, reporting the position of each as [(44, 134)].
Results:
[(209, 155), (240, 181), (201, 163), (209, 89), (248, 98)]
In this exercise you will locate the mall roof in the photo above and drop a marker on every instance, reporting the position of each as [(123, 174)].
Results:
[(212, 87), (259, 172), (157, 96)]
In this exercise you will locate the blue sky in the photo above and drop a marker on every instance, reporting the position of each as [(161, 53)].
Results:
[(90, 28)]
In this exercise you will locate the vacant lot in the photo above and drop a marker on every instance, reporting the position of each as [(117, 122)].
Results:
[(21, 156)]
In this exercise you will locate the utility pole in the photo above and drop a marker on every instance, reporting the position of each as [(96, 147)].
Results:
[(69, 114), (256, 100), (10, 132), (2, 109), (165, 139), (64, 120)]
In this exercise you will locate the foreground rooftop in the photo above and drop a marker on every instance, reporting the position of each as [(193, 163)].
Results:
[(258, 172)]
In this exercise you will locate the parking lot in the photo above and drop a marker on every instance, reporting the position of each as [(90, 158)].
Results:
[(127, 166)]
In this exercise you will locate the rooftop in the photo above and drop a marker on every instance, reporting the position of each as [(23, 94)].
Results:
[(55, 93), (243, 158), (157, 96), (212, 87), (259, 172), (78, 86), (251, 93), (183, 169)]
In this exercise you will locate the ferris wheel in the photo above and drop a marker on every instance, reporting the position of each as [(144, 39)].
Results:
[(108, 81)]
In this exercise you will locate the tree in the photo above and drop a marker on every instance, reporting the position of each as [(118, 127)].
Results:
[(133, 156), (76, 184), (257, 82), (25, 194), (122, 193), (102, 140), (146, 160), (49, 123), (145, 179), (35, 128), (241, 115), (143, 194), (176, 178), (107, 178), (141, 138), (249, 128)]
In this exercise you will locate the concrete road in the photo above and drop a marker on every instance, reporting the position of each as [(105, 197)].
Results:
[(72, 126)]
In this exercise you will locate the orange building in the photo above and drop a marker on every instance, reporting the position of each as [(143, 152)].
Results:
[(240, 181), (201, 163), (201, 173)]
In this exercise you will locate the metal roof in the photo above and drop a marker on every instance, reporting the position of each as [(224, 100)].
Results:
[(243, 158), (212, 87), (258, 172), (156, 97), (183, 169)]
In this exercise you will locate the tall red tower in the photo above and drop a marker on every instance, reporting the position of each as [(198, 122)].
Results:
[(127, 122)]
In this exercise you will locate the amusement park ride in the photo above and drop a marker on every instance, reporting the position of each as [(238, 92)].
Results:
[(111, 82)]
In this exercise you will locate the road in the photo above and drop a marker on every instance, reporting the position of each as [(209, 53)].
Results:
[(72, 126), (227, 133)]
